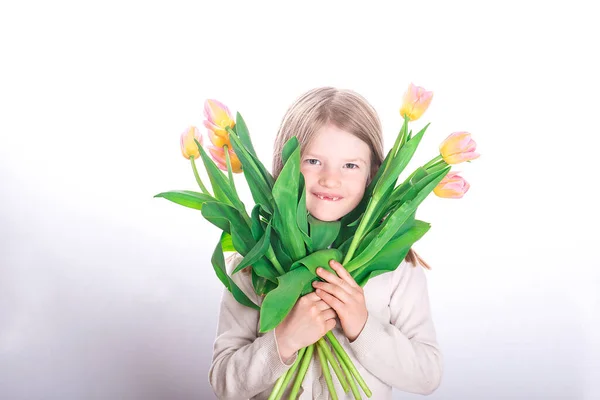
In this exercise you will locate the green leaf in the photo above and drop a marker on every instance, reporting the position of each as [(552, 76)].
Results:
[(243, 134), (259, 184), (256, 227), (226, 242), (278, 303), (322, 233), (257, 252), (417, 186), (261, 285), (301, 217), (392, 254), (265, 269), (319, 258), (242, 239), (220, 184), (284, 258), (218, 263), (242, 131), (391, 225), (314, 260), (397, 165), (187, 198), (288, 148), (231, 221), (285, 194)]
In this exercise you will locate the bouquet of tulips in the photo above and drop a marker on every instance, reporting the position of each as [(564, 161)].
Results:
[(284, 244)]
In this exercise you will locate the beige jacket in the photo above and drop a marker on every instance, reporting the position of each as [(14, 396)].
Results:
[(396, 348)]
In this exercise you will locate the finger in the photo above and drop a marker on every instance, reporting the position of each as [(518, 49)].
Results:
[(332, 278), (312, 296), (343, 273), (335, 290), (329, 314), (321, 305), (333, 301), (330, 324)]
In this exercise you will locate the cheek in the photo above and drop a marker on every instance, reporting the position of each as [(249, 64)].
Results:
[(359, 185), (309, 177)]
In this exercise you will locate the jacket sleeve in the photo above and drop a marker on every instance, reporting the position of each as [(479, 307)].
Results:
[(403, 352), (244, 363)]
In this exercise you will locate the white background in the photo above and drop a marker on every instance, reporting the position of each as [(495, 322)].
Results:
[(108, 293)]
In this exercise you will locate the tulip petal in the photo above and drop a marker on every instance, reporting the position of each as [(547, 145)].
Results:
[(215, 111), (453, 186), (218, 140), (187, 143), (415, 102), (218, 155), (458, 147)]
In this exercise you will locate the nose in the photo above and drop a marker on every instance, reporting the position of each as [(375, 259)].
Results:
[(330, 178)]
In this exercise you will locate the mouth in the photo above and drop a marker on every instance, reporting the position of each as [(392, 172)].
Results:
[(326, 197)]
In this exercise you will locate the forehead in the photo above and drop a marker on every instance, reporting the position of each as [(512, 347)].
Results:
[(332, 141)]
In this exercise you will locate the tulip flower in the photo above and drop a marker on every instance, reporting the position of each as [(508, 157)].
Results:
[(218, 155), (415, 102), (190, 150), (188, 145), (218, 119), (458, 147), (452, 186)]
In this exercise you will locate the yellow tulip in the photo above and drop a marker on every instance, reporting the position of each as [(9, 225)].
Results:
[(415, 102), (218, 155), (452, 186), (189, 148), (218, 119), (458, 147)]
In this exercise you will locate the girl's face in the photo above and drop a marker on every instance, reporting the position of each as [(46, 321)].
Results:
[(336, 167)]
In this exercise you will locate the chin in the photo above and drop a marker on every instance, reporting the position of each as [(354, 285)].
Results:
[(325, 216), (324, 219)]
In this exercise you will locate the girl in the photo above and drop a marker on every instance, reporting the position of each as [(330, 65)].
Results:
[(385, 327)]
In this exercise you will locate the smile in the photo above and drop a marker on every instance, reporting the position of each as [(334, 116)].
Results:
[(327, 198)]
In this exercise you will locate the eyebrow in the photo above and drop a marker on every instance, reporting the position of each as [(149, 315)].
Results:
[(346, 160)]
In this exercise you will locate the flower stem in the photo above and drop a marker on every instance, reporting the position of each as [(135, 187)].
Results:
[(202, 187), (340, 351), (331, 359), (359, 233), (285, 378), (326, 373), (278, 385), (350, 378), (433, 162), (302, 371)]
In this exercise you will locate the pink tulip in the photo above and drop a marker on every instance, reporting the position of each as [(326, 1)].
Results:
[(189, 148), (415, 102), (452, 186), (458, 147), (218, 119)]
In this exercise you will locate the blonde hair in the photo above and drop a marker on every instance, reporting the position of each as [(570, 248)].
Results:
[(343, 108)]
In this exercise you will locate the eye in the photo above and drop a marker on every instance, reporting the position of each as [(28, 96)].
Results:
[(312, 161), (351, 166)]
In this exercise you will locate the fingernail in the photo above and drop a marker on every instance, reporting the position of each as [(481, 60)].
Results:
[(319, 270)]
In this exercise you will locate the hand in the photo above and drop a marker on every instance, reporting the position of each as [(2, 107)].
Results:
[(345, 296), (308, 321)]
